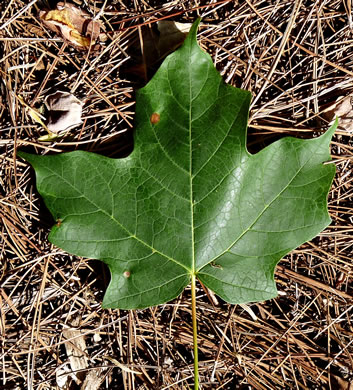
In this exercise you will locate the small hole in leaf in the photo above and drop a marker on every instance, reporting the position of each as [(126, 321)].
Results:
[(155, 118), (127, 274)]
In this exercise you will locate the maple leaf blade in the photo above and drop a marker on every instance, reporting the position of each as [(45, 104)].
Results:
[(94, 224), (239, 279), (188, 199), (288, 208)]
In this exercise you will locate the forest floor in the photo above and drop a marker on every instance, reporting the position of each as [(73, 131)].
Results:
[(296, 59)]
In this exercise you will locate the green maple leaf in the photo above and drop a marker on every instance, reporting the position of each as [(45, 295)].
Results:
[(189, 201)]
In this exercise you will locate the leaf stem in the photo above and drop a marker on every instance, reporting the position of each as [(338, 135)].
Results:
[(194, 331)]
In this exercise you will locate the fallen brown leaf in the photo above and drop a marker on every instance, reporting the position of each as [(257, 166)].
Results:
[(343, 109), (65, 111), (73, 24)]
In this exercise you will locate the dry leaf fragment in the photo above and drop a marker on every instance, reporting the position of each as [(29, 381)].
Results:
[(343, 109), (340, 383), (93, 380), (76, 350), (156, 45), (172, 35), (65, 111), (74, 25), (62, 374)]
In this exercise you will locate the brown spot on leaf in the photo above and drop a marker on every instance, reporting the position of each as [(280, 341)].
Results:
[(155, 118), (127, 274), (58, 222)]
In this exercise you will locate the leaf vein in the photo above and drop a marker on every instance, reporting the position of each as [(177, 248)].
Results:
[(120, 224)]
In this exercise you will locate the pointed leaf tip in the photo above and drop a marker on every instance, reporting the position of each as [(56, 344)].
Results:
[(333, 127), (193, 30)]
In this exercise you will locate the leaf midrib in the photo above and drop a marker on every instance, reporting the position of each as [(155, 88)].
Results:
[(193, 262)]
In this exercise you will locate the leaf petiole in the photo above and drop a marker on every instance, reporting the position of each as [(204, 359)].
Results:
[(194, 331)]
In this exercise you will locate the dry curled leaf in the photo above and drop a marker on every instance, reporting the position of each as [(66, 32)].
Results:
[(73, 24), (65, 111)]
